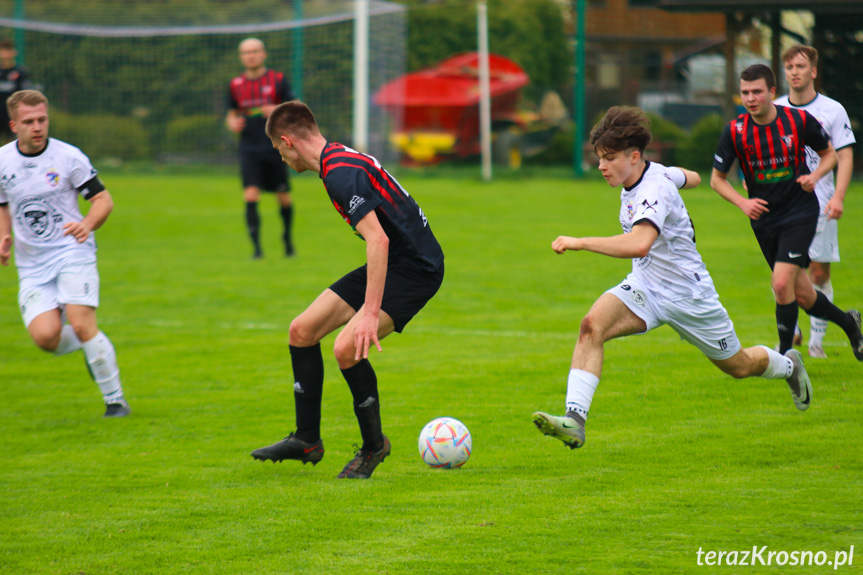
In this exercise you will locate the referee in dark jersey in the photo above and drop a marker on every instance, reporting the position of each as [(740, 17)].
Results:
[(251, 98), (404, 270), (769, 141)]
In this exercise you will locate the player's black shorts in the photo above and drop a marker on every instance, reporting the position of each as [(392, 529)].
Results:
[(406, 291), (788, 243), (264, 170)]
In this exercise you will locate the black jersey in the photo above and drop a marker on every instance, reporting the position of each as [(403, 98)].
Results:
[(248, 96), (358, 184), (772, 157), (11, 80)]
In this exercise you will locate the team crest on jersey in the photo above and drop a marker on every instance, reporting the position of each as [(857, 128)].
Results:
[(739, 127), (787, 139), (53, 178), (630, 211), (39, 220)]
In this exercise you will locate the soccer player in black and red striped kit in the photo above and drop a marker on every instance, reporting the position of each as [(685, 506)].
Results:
[(251, 98), (770, 142), (404, 269)]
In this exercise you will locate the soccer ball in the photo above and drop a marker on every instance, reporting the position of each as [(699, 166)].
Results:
[(445, 442)]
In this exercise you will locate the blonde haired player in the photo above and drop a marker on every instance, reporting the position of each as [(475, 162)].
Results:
[(55, 251), (801, 69)]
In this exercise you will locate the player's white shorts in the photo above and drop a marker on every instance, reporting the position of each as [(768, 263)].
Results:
[(825, 244), (65, 283), (703, 323)]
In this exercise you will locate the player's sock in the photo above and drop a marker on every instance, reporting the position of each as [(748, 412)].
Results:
[(786, 319), (102, 360), (824, 309), (363, 383), (308, 365), (818, 326), (287, 213), (69, 341), (778, 366), (253, 225), (580, 388)]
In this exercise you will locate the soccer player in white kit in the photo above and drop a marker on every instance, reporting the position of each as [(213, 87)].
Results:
[(669, 283), (801, 69), (55, 251)]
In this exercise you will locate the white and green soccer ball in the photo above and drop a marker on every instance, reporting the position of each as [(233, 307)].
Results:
[(445, 443)]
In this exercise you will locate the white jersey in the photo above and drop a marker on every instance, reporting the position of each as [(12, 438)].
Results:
[(834, 119), (673, 268), (42, 192)]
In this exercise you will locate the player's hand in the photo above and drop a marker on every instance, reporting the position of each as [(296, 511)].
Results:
[(236, 123), (366, 333), (835, 208), (5, 250), (563, 243), (807, 182), (754, 208), (78, 230)]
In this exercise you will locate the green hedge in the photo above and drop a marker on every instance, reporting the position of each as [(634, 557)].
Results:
[(697, 151), (105, 136)]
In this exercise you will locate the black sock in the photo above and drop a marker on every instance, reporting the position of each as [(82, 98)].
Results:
[(363, 383), (786, 319), (823, 308), (253, 224), (287, 213), (308, 364)]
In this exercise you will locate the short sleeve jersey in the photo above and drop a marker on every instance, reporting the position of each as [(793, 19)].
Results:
[(42, 193), (357, 184), (673, 267), (772, 157), (834, 119), (248, 96)]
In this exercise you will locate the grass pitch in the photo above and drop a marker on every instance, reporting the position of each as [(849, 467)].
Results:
[(679, 457)]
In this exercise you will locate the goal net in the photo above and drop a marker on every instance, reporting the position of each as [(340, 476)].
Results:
[(148, 81)]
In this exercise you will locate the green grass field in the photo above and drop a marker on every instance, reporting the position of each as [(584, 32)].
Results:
[(678, 457)]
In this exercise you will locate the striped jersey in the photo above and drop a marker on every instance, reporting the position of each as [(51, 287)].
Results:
[(834, 119), (357, 184), (772, 157), (248, 96)]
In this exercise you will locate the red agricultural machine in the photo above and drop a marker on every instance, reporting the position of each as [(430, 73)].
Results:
[(439, 112)]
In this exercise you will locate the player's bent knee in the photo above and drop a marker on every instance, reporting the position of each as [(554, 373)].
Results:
[(46, 340), (345, 352), (301, 334)]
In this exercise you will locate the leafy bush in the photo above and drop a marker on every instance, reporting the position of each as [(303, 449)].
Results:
[(668, 137), (201, 133), (102, 136), (697, 152)]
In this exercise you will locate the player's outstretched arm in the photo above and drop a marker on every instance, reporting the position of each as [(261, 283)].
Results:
[(5, 235), (100, 208), (693, 179), (754, 208), (636, 244)]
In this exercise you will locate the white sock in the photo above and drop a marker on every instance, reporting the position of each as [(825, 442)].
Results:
[(102, 360), (778, 366), (69, 341), (818, 326), (579, 391)]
